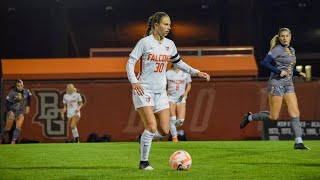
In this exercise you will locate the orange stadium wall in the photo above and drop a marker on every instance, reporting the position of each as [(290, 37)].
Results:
[(214, 109), (102, 68)]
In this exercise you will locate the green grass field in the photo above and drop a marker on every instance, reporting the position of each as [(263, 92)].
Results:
[(210, 160)]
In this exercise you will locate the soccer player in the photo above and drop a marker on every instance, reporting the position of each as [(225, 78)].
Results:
[(72, 104), (149, 88), (17, 104), (179, 85), (280, 86)]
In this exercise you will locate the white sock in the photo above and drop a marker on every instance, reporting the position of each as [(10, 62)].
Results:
[(75, 132), (157, 135), (173, 128), (145, 144), (298, 140)]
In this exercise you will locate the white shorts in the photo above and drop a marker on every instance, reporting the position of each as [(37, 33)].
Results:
[(175, 99), (71, 114), (159, 101)]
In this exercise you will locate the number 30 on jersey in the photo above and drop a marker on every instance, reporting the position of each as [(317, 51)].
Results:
[(159, 67)]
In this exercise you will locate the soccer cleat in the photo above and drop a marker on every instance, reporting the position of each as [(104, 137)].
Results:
[(76, 140), (145, 166), (300, 146), (175, 139), (245, 120), (178, 122)]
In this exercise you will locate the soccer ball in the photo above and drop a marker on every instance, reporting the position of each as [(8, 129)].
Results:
[(180, 160)]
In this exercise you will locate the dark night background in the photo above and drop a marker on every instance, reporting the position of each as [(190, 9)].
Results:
[(68, 28)]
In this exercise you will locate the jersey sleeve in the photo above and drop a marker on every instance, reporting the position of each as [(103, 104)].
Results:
[(293, 51), (176, 59), (9, 101), (134, 56), (274, 53), (29, 92), (10, 96), (138, 50), (267, 64)]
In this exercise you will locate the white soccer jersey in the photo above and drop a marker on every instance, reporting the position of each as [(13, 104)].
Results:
[(177, 82), (154, 58), (72, 102)]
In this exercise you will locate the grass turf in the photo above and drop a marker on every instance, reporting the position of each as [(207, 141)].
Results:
[(210, 160)]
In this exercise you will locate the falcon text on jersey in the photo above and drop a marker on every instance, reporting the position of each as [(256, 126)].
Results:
[(158, 57)]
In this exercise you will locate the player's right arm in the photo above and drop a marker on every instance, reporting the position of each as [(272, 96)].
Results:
[(134, 56), (269, 60)]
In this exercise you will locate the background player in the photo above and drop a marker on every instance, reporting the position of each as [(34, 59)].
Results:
[(17, 104), (179, 85), (72, 104), (280, 85)]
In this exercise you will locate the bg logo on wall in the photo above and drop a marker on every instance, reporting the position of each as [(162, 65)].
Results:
[(48, 107)]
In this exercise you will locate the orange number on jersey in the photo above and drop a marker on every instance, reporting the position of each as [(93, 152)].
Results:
[(177, 87), (159, 67)]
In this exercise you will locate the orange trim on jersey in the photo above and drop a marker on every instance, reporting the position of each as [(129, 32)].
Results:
[(140, 68)]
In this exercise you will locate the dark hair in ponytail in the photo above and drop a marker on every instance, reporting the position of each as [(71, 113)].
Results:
[(156, 18)]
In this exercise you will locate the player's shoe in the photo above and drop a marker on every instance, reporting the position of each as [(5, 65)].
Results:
[(175, 139), (76, 140), (145, 166), (300, 146), (178, 122), (245, 120)]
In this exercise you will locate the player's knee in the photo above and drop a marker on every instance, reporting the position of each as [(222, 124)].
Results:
[(72, 126), (274, 116), (11, 115), (294, 114), (152, 128), (165, 132)]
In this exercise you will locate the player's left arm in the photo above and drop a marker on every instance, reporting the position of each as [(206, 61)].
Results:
[(188, 88), (297, 73), (80, 104), (176, 59)]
